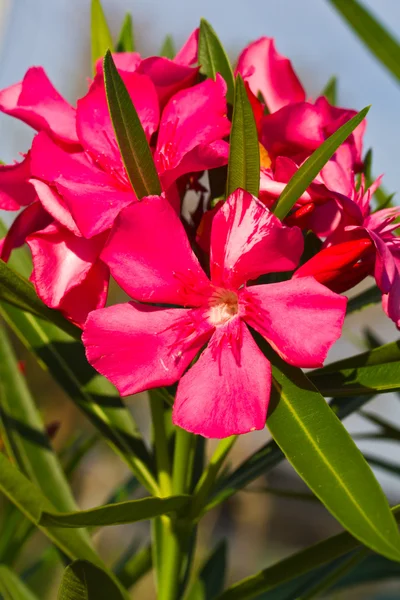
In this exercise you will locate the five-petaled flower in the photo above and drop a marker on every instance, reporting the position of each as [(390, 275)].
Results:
[(141, 346)]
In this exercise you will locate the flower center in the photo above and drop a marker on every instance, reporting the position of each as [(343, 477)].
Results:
[(223, 306)]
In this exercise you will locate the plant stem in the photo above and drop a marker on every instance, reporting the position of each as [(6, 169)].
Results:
[(209, 476), (161, 445)]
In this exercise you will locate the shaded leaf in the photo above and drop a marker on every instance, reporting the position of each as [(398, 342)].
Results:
[(213, 58), (372, 33), (244, 150), (126, 41), (116, 514), (18, 291), (383, 464), (84, 581), (134, 567), (372, 295), (101, 39), (211, 577), (11, 586), (330, 91), (313, 165), (168, 48), (131, 138)]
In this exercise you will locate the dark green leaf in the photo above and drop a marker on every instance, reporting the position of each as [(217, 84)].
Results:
[(213, 58), (372, 295), (126, 42), (329, 462), (84, 581), (330, 91), (31, 502), (116, 514), (294, 566), (374, 35), (131, 138), (383, 464), (313, 165), (11, 586), (100, 34), (134, 567), (16, 290), (244, 151), (168, 48), (210, 580)]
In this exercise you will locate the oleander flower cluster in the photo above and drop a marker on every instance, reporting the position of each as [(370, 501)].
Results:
[(207, 277)]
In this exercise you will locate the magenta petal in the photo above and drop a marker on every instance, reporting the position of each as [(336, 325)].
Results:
[(138, 347), (300, 318), (32, 218), (53, 203), (15, 189), (94, 125), (168, 76), (62, 262), (270, 73), (187, 55), (226, 392), (193, 117), (391, 301), (385, 266), (36, 102), (149, 255), (124, 61), (247, 240)]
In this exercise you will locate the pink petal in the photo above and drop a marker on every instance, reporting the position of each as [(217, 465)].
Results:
[(124, 61), (32, 218), (247, 240), (138, 347), (54, 204), (15, 189), (94, 125), (61, 263), (149, 255), (168, 76), (187, 55), (270, 73), (391, 301), (193, 117), (226, 392), (385, 266), (36, 102), (300, 318)]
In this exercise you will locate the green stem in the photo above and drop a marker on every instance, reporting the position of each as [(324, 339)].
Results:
[(161, 445), (207, 480), (176, 534)]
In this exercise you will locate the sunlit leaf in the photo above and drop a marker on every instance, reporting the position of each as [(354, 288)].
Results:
[(213, 58), (11, 586), (168, 48), (126, 41), (330, 91), (244, 152), (101, 39), (131, 138)]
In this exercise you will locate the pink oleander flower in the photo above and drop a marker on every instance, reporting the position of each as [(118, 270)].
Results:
[(73, 179), (141, 346)]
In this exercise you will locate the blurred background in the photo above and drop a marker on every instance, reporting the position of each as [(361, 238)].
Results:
[(263, 527)]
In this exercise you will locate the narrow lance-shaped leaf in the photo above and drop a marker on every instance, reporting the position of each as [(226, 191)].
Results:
[(126, 41), (101, 39), (210, 580), (213, 58), (168, 48), (244, 150), (330, 91), (374, 35), (131, 138), (84, 581), (313, 165), (371, 296), (116, 514), (294, 566), (12, 587), (329, 461), (18, 291)]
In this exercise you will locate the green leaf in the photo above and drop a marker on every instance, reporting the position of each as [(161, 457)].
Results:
[(136, 565), (329, 461), (84, 581), (18, 291), (372, 295), (131, 138), (330, 91), (116, 514), (11, 586), (31, 502), (210, 580), (244, 151), (384, 464), (313, 165), (372, 33), (213, 58), (126, 41), (294, 566), (168, 48), (101, 39)]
